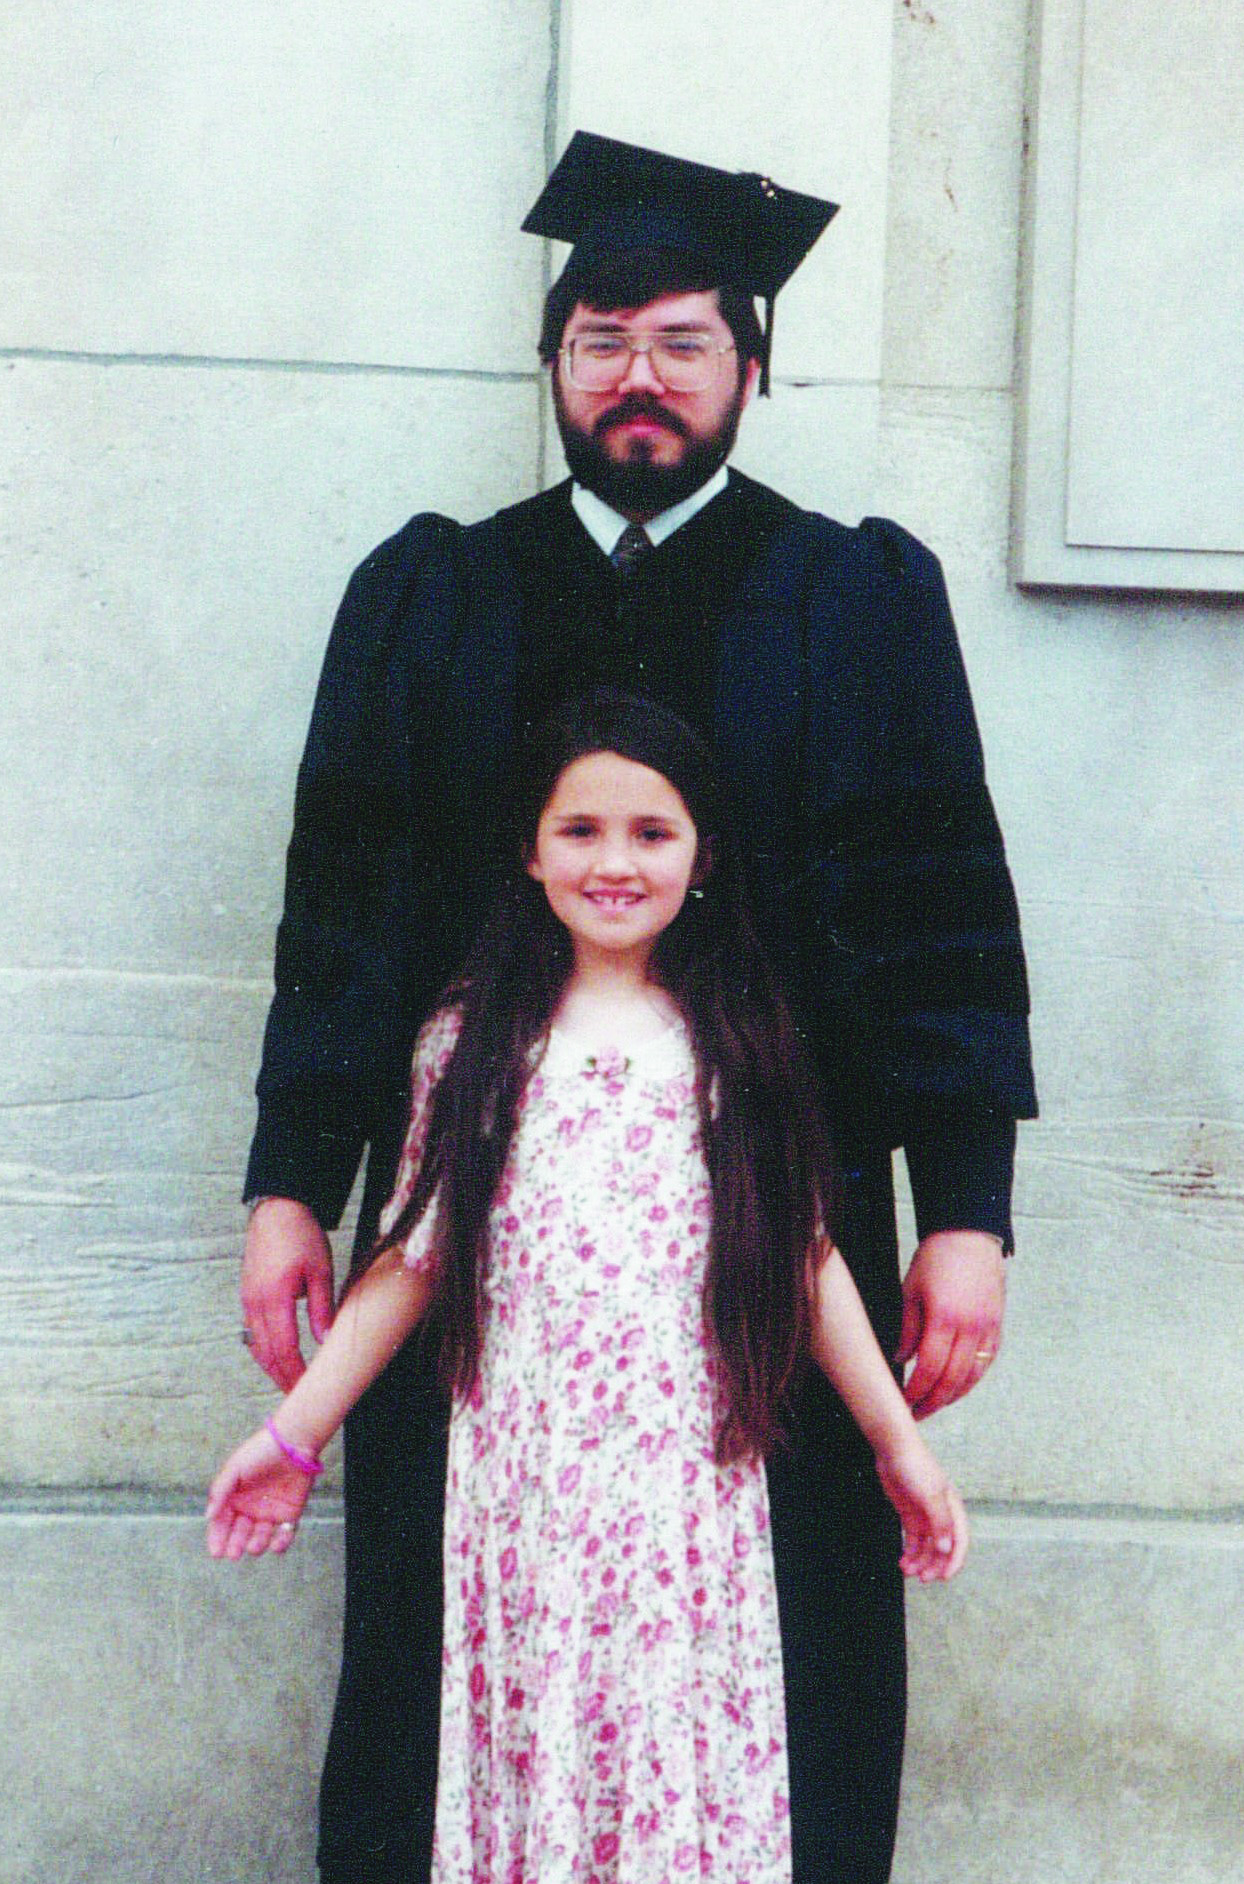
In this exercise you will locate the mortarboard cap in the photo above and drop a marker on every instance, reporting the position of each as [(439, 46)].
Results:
[(611, 200)]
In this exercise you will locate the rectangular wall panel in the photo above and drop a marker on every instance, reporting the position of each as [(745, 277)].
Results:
[(314, 182), (1129, 470)]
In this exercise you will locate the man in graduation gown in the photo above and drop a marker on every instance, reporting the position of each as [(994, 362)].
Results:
[(823, 663)]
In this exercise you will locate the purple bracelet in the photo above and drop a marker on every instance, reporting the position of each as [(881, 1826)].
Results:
[(295, 1454)]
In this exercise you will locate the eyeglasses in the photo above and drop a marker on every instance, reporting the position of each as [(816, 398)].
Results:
[(684, 363)]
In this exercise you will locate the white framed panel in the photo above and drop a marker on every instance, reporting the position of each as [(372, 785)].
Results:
[(1128, 464)]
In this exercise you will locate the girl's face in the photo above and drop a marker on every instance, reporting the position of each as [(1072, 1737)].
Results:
[(616, 853)]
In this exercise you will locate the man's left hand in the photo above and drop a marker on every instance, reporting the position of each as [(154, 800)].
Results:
[(953, 1298)]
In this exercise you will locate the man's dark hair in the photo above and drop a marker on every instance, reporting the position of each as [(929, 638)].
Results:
[(635, 280)]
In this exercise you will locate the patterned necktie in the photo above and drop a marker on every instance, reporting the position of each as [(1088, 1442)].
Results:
[(633, 543)]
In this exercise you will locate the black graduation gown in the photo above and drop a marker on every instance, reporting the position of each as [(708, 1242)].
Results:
[(824, 663)]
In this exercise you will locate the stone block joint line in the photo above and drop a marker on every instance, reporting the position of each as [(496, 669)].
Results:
[(246, 364)]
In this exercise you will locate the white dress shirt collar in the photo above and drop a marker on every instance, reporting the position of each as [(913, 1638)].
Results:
[(605, 526)]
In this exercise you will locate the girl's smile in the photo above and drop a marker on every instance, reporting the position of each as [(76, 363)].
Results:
[(613, 900), (615, 851)]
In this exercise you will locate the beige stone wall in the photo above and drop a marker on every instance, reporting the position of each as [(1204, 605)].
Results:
[(1112, 729), (261, 296)]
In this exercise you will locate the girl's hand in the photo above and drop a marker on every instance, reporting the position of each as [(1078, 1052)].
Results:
[(935, 1524), (255, 1501)]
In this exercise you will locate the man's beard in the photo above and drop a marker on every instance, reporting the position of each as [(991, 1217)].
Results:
[(637, 487)]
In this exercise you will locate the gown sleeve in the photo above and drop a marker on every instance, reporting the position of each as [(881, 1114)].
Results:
[(356, 958), (950, 974), (908, 931)]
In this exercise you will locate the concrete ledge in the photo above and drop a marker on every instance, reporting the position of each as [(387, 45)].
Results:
[(163, 1717), (1075, 1714), (1075, 1709)]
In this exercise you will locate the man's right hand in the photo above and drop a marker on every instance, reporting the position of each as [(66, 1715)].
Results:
[(287, 1256)]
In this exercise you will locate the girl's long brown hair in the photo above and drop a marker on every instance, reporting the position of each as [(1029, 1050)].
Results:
[(771, 1168)]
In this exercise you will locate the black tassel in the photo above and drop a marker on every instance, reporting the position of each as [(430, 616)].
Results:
[(768, 347)]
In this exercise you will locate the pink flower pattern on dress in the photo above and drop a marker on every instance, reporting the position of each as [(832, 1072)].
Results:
[(611, 1707)]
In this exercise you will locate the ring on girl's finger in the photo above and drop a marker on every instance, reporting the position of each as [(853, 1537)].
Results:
[(287, 1524), (985, 1354)]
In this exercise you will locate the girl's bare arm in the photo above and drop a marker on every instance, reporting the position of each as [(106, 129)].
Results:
[(258, 1496), (375, 1318), (843, 1344)]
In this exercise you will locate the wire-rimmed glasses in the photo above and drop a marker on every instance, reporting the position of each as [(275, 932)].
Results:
[(684, 362)]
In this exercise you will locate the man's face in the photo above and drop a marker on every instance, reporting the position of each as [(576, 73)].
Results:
[(639, 446)]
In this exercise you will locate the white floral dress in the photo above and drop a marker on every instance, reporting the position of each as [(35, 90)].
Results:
[(611, 1703)]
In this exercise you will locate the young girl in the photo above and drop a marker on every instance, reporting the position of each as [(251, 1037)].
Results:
[(612, 1216)]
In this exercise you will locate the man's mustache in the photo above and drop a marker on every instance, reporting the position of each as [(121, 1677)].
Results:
[(640, 406)]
